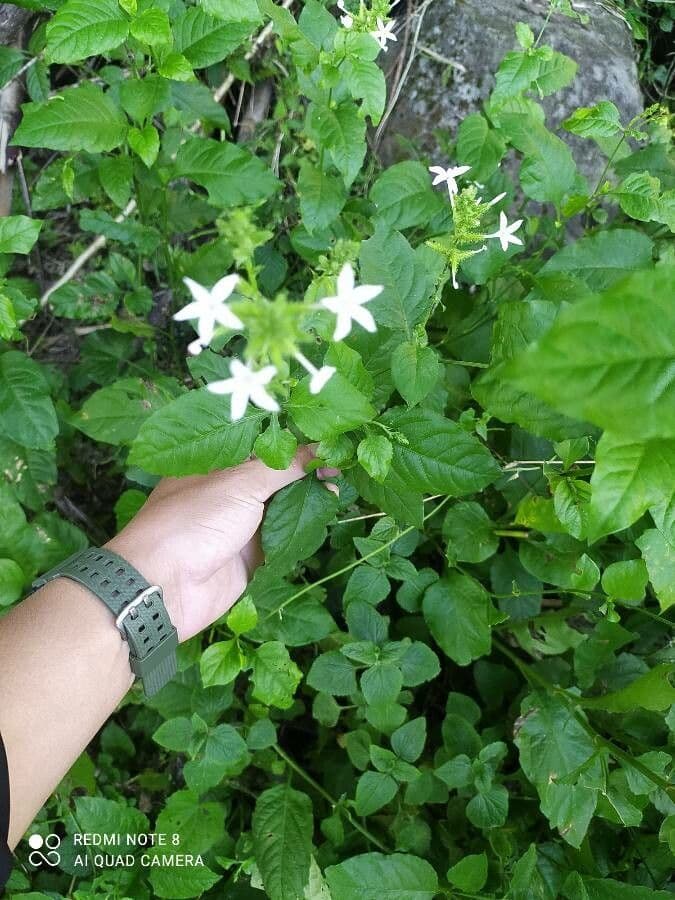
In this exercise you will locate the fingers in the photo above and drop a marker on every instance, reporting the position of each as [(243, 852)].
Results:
[(256, 480)]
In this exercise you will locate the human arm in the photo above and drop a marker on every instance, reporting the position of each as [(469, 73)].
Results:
[(63, 665)]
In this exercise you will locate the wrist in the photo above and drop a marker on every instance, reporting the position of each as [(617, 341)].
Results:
[(154, 565)]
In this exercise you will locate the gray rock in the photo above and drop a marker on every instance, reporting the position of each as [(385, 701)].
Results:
[(476, 34)]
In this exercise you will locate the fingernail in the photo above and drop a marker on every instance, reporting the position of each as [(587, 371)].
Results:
[(328, 473), (333, 488)]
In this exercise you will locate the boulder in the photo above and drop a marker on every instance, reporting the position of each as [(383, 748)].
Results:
[(461, 44)]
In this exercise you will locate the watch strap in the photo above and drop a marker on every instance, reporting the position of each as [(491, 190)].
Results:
[(138, 608)]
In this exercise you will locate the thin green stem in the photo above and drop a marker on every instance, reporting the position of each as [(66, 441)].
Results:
[(351, 565), (291, 763), (606, 169)]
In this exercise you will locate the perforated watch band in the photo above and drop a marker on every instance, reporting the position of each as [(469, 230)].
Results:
[(138, 608)]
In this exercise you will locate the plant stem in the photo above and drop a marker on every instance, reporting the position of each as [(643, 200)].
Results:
[(327, 797), (351, 565)]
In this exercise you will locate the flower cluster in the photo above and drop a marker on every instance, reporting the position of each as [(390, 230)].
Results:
[(247, 384), (468, 210), (364, 20)]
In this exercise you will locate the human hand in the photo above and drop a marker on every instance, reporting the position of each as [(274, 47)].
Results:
[(197, 537)]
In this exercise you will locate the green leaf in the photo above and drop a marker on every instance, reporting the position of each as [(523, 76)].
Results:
[(243, 617), (194, 435), (626, 580), (224, 752), (373, 791), (459, 614), (519, 325), (470, 873), (602, 120), (78, 118), (404, 197), (365, 81), (569, 808), (152, 27), (12, 580), (175, 883), (231, 175), (343, 134), (233, 10), (81, 29), (469, 532), (116, 175), (339, 407), (204, 40), (375, 454), (332, 674), (220, 663), (604, 258), (199, 823), (415, 371), (295, 523), (115, 413), (438, 457), (275, 675), (607, 358), (145, 142), (275, 446), (322, 196), (28, 415), (489, 808), (560, 560), (652, 691), (18, 234), (408, 741), (379, 876), (382, 683), (551, 741), (389, 260), (659, 555), (11, 61), (174, 734), (282, 840), (630, 475), (479, 146), (142, 98)]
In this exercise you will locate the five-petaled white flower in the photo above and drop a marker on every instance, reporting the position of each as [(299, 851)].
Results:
[(208, 307), (346, 19), (348, 303), (245, 385), (505, 234), (320, 377), (384, 33), (449, 176)]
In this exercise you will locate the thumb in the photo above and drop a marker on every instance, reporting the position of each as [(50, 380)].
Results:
[(259, 482)]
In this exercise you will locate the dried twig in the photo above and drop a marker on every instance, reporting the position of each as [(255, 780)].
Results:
[(419, 15), (100, 241)]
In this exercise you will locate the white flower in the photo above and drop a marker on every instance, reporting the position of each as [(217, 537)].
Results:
[(320, 377), (348, 303), (497, 199), (505, 234), (449, 176), (208, 307), (245, 385), (384, 33), (346, 19)]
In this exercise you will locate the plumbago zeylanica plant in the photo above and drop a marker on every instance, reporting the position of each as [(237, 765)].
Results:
[(454, 679)]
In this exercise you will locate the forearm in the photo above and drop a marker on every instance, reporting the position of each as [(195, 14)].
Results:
[(64, 670)]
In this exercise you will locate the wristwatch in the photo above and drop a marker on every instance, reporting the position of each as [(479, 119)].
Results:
[(138, 608)]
